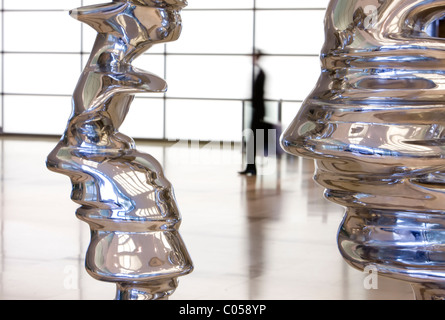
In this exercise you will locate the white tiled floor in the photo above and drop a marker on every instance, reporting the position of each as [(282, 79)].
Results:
[(269, 237)]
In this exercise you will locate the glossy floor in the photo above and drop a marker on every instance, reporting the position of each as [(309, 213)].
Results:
[(267, 237)]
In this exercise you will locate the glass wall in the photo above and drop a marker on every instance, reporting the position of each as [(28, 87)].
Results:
[(209, 69)]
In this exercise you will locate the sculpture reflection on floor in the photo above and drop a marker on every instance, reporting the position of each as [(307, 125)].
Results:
[(375, 126), (124, 196)]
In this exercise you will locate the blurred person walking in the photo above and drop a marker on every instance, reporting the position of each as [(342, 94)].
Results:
[(258, 113)]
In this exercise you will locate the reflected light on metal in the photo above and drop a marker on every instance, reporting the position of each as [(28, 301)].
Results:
[(123, 194), (375, 125)]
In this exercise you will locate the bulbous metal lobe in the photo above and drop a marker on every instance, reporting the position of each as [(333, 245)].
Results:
[(423, 14), (405, 245), (179, 4), (116, 82), (133, 22), (128, 186), (97, 16), (374, 123), (139, 257), (369, 25)]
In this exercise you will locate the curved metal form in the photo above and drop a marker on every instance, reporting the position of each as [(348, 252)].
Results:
[(123, 194), (375, 126)]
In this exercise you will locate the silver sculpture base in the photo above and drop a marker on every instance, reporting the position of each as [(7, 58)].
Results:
[(374, 124), (429, 291), (399, 245), (154, 290)]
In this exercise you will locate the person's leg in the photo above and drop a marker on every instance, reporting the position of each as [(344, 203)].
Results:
[(251, 150)]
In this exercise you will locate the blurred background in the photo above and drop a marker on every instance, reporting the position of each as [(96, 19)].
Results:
[(209, 69)]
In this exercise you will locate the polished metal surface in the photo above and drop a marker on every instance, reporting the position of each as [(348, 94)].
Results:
[(374, 123), (123, 194)]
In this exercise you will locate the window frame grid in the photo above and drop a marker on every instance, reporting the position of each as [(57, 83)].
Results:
[(165, 54)]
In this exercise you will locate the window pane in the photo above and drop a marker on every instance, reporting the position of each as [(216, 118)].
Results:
[(289, 111), (36, 114), (290, 32), (204, 120), (218, 4), (272, 112), (41, 4), (224, 77), (215, 32), (88, 37), (290, 78), (50, 32), (145, 119), (41, 73), (292, 4)]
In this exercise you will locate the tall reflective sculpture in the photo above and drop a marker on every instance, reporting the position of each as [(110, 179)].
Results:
[(123, 194), (375, 124)]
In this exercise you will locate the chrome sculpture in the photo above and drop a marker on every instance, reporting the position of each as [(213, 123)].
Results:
[(375, 124), (123, 194)]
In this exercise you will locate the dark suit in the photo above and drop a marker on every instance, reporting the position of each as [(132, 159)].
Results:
[(258, 100)]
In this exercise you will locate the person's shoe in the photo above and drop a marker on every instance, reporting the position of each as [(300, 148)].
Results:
[(250, 171)]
